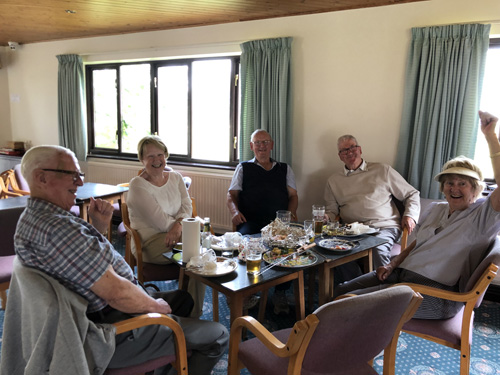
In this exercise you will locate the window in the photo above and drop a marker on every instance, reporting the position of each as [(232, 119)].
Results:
[(490, 102), (192, 104)]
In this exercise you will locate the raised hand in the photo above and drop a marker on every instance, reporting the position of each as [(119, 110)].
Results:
[(100, 213)]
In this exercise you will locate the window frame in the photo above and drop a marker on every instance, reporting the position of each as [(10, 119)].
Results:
[(176, 159)]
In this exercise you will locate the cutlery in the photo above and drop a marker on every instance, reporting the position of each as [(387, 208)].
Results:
[(300, 250)]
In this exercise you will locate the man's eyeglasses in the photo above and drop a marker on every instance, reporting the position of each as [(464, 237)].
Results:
[(76, 174), (264, 143), (346, 151)]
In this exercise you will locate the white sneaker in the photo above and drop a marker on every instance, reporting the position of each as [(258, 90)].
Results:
[(280, 303)]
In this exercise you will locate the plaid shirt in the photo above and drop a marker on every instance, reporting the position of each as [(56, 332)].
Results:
[(67, 248)]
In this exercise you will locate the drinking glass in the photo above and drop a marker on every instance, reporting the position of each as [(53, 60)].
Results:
[(253, 259), (318, 212), (309, 228), (232, 241), (284, 216)]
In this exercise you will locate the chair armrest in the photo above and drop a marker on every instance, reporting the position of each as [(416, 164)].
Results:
[(404, 239), (292, 345), (159, 319), (466, 297), (19, 191)]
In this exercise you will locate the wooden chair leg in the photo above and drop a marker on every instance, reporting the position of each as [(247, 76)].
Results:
[(3, 296)]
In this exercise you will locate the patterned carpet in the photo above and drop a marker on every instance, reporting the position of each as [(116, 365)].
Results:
[(415, 356)]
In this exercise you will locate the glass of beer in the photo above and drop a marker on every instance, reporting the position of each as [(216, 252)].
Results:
[(318, 212), (254, 257)]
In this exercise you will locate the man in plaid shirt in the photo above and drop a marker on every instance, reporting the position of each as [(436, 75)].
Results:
[(51, 239)]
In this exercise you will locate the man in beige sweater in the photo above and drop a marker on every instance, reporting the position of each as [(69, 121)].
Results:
[(363, 192)]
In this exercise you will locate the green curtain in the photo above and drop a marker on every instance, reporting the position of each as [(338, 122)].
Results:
[(71, 105), (265, 95), (444, 76)]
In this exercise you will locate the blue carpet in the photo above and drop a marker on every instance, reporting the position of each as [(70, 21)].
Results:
[(415, 356)]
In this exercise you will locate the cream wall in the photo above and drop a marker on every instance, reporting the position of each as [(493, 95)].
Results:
[(347, 68)]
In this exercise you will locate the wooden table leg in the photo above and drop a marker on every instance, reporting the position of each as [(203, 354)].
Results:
[(236, 307), (298, 290), (215, 305), (323, 283), (183, 279), (312, 285), (262, 306)]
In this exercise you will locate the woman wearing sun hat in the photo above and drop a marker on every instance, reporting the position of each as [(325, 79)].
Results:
[(452, 236)]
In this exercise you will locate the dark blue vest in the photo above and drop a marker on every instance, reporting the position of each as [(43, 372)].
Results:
[(263, 192)]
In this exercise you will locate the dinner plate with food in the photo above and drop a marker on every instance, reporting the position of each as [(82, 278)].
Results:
[(219, 267), (337, 244), (289, 258)]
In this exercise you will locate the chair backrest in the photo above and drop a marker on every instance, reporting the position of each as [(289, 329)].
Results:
[(46, 327), (19, 181), (356, 329), (492, 256), (9, 218), (132, 236)]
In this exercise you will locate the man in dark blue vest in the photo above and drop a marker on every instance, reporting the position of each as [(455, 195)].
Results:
[(259, 188)]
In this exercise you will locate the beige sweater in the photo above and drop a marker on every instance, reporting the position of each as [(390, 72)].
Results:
[(366, 196)]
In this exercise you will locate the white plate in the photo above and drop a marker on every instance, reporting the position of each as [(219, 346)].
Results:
[(224, 266), (222, 247), (336, 244), (367, 231)]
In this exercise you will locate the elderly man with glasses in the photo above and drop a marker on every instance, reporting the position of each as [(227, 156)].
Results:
[(50, 239), (259, 188), (363, 192)]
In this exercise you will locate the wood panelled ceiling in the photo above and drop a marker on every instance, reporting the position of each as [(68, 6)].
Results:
[(31, 21)]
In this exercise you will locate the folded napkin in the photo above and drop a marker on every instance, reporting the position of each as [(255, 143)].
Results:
[(206, 261), (358, 228)]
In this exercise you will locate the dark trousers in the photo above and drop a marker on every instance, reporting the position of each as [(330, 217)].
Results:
[(206, 340)]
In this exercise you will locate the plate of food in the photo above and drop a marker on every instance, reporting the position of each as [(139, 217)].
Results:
[(337, 244), (293, 261), (220, 267)]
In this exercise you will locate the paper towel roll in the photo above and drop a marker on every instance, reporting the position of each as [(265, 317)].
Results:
[(190, 239)]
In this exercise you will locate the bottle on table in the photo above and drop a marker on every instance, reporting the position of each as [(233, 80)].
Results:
[(206, 234)]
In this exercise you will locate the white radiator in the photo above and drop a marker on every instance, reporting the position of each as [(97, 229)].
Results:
[(208, 189)]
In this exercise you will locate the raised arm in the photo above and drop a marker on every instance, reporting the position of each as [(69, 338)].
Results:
[(488, 125)]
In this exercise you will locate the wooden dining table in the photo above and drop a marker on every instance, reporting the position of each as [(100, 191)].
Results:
[(238, 285), (111, 193), (363, 250)]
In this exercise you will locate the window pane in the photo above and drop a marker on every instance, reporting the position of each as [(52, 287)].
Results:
[(105, 121), (490, 99), (135, 83), (173, 108), (210, 132)]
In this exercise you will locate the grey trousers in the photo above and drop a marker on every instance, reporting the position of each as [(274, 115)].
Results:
[(430, 308), (206, 340)]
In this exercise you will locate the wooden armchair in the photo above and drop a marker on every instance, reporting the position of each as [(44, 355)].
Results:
[(145, 271), (329, 340), (456, 332), (178, 360)]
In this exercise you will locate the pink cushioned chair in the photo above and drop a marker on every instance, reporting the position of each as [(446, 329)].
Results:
[(456, 332), (9, 219), (347, 335)]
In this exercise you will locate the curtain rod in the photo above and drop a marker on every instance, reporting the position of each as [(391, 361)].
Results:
[(165, 48)]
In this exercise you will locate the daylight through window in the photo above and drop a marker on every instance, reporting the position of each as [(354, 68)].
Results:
[(192, 104)]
